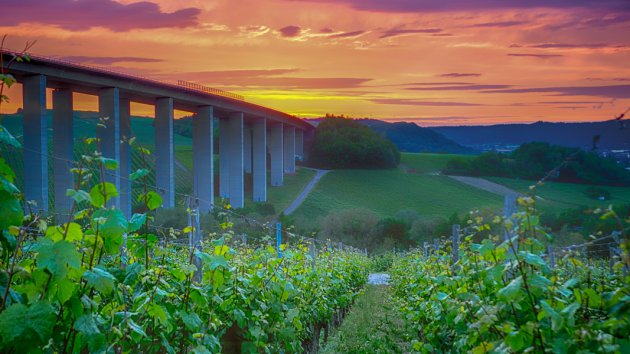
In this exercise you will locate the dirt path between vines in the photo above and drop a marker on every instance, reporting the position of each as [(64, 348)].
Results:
[(305, 192), (485, 185)]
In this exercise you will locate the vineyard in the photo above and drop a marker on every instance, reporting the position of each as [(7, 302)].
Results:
[(483, 295), (101, 283)]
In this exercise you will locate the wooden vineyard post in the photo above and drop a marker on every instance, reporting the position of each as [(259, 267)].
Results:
[(584, 257), (197, 240), (194, 237), (312, 250), (455, 243), (279, 239), (509, 208), (611, 254)]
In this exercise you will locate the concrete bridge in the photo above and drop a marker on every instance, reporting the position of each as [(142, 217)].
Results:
[(247, 133)]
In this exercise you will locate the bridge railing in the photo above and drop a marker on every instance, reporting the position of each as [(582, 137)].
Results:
[(196, 87), (181, 84)]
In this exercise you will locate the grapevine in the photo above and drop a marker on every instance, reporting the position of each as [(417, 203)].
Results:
[(69, 287), (504, 296)]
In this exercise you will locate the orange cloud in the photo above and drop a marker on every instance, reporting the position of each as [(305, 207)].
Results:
[(364, 58)]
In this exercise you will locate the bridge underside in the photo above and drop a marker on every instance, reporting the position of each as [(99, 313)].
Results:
[(247, 133)]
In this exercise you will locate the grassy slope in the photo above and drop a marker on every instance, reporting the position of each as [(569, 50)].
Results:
[(427, 163), (388, 191), (281, 197), (558, 196), (141, 127)]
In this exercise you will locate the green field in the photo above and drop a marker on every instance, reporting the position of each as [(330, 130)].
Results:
[(427, 163), (386, 192), (281, 197), (554, 196)]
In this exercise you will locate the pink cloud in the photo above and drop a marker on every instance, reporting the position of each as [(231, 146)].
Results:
[(77, 15), (290, 31)]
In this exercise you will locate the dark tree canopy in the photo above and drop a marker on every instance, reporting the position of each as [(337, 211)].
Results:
[(534, 160), (344, 143)]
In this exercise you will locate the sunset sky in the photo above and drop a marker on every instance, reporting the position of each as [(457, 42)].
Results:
[(431, 62)]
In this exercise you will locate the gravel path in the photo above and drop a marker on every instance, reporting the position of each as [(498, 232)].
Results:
[(378, 279), (304, 193), (485, 185)]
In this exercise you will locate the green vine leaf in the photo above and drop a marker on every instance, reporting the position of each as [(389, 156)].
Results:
[(112, 224), (101, 280), (58, 257), (151, 199), (10, 210), (101, 193), (25, 328), (56, 233)]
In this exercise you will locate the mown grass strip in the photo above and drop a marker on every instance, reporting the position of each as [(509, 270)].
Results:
[(373, 325)]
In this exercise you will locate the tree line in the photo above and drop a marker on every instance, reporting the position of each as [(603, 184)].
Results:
[(532, 161), (344, 143)]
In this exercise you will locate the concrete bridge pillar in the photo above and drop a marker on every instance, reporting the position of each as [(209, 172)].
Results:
[(63, 148), (275, 151), (224, 159), (299, 143), (259, 156), (203, 153), (109, 134), (35, 125), (235, 136), (289, 149), (125, 157), (164, 151), (247, 145)]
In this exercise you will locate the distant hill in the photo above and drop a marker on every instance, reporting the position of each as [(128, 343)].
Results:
[(410, 137), (578, 135), (85, 126)]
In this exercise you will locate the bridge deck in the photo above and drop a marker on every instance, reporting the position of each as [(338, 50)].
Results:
[(88, 80)]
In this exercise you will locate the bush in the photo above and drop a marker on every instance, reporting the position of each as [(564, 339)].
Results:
[(265, 209), (356, 227), (344, 143), (394, 229), (408, 216), (425, 230), (597, 193)]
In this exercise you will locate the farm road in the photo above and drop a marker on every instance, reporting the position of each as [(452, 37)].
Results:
[(485, 185), (304, 193)]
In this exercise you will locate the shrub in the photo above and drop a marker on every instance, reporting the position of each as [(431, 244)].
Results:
[(344, 143), (597, 193), (355, 227)]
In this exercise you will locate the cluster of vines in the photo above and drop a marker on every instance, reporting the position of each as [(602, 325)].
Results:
[(101, 283), (504, 297)]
